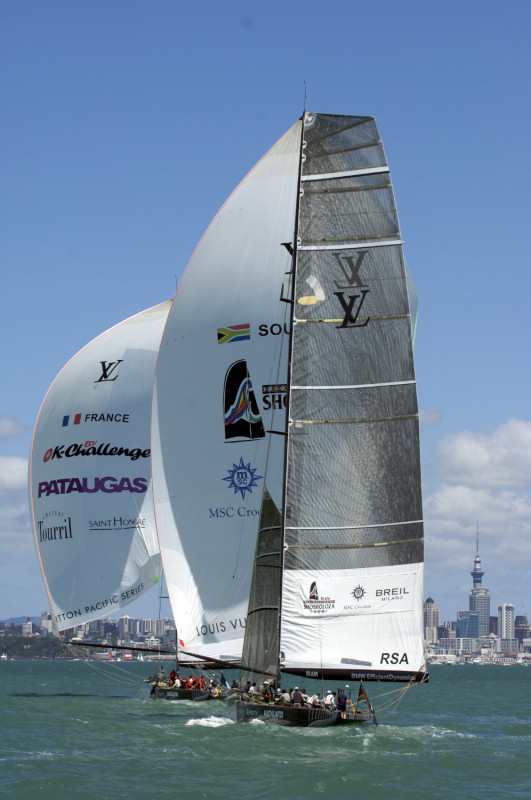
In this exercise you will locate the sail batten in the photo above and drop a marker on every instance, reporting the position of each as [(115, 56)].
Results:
[(357, 385), (322, 176), (351, 245)]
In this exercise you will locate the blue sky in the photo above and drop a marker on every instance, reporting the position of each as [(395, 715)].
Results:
[(126, 124)]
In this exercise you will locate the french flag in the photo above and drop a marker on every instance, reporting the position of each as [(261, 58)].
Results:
[(66, 420)]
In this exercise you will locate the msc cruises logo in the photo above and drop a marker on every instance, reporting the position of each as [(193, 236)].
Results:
[(358, 593), (242, 478)]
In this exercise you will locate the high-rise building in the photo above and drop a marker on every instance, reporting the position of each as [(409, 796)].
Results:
[(521, 628), (479, 597), (506, 621), (431, 621), (467, 624)]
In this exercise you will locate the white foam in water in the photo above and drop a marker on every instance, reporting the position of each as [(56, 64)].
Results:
[(210, 722)]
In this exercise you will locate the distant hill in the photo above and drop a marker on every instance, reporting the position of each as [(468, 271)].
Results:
[(22, 620)]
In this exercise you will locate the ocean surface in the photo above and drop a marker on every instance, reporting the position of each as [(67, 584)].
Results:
[(80, 730)]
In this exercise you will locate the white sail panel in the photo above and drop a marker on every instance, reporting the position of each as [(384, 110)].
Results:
[(90, 474), (217, 397), (344, 621)]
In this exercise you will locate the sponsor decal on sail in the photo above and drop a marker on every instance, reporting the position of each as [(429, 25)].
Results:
[(100, 605), (314, 602), (242, 478), (108, 368), (91, 416), (54, 526), (241, 414), (234, 333), (274, 395), (352, 304), (108, 485), (117, 524), (91, 448)]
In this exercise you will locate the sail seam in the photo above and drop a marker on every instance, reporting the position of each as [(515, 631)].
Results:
[(347, 174), (359, 385), (356, 421), (358, 527), (351, 245), (360, 320), (354, 546)]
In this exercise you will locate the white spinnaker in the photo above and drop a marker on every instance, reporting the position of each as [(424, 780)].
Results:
[(90, 474), (216, 398)]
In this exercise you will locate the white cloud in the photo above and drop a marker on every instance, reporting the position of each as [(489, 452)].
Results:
[(500, 459), (485, 483), (429, 419), (13, 472), (10, 428)]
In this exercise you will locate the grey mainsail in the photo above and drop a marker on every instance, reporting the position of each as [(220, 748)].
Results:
[(352, 530)]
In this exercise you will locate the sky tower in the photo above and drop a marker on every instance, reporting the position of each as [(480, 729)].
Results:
[(479, 597)]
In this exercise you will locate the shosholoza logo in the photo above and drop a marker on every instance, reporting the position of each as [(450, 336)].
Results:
[(240, 409), (316, 603)]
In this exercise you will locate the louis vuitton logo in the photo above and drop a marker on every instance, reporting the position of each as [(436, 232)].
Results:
[(107, 368), (350, 269), (349, 321)]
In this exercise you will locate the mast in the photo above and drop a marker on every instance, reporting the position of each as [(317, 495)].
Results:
[(288, 402)]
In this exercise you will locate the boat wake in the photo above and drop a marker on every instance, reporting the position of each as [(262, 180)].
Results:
[(210, 722)]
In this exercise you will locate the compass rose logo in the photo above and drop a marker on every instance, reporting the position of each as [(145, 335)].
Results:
[(242, 478), (358, 593)]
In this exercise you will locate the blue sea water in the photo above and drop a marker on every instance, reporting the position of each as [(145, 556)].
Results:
[(80, 730)]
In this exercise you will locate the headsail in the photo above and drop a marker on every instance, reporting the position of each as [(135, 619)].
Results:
[(90, 474), (220, 389)]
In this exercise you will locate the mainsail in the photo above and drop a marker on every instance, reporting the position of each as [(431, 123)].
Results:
[(219, 403), (351, 586), (90, 474)]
